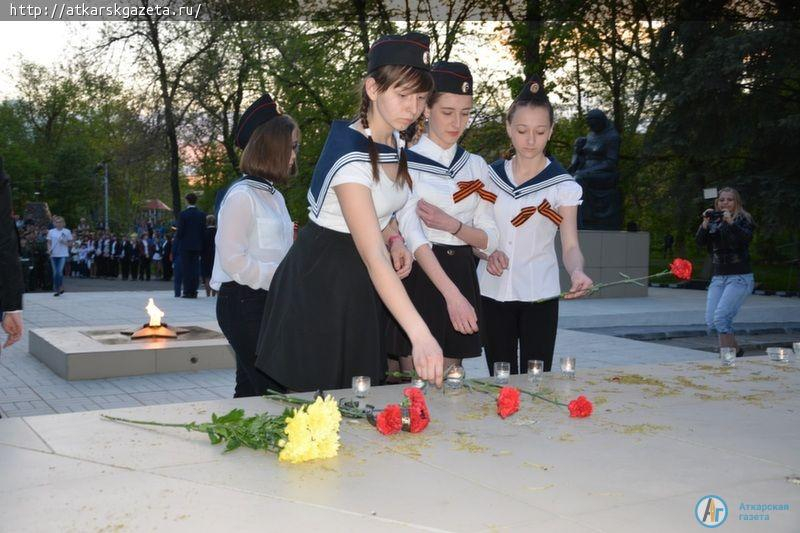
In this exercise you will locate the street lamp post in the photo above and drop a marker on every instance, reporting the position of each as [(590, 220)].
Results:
[(105, 189), (104, 166)]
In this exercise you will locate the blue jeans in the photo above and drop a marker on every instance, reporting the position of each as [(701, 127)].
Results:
[(726, 294), (58, 272)]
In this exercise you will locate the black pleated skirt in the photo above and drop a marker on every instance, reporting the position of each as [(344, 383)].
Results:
[(458, 262), (323, 320)]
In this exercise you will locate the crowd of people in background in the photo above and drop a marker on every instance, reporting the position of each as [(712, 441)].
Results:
[(83, 251)]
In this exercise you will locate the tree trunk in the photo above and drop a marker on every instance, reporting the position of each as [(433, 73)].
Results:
[(169, 116), (363, 30), (533, 37)]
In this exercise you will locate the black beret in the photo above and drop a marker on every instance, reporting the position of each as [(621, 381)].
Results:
[(262, 110), (411, 49), (532, 90), (451, 78)]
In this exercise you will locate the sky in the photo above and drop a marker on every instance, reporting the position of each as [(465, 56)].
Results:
[(48, 42), (43, 42)]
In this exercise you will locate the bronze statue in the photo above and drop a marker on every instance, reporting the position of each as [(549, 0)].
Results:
[(594, 165)]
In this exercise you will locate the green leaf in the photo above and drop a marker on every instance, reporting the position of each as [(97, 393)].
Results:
[(234, 416), (213, 437)]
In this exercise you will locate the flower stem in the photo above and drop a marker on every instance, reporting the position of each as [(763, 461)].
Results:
[(599, 286), (490, 388), (190, 426)]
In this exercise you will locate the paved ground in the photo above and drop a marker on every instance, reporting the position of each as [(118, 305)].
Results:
[(27, 387), (104, 285)]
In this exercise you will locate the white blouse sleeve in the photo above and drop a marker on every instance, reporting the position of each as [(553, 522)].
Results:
[(236, 222), (354, 172), (410, 225), (569, 193), (483, 219)]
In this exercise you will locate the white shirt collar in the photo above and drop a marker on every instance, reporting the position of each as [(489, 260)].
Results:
[(431, 150)]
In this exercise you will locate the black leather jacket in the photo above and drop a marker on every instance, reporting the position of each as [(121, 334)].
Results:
[(728, 245)]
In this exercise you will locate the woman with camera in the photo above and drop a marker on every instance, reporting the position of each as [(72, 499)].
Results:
[(726, 231)]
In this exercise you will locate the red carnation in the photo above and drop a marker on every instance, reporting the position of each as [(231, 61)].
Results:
[(581, 407), (681, 268), (389, 420), (418, 410), (507, 401)]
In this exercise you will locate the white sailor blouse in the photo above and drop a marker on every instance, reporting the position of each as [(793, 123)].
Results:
[(254, 233), (527, 220), (453, 180), (345, 159)]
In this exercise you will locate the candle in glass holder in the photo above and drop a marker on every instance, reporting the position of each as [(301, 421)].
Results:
[(419, 383), (728, 356), (454, 376), (568, 366), (535, 370), (779, 354), (502, 371), (361, 386)]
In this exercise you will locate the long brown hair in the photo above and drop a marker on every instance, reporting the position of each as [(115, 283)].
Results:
[(269, 150), (738, 210), (417, 81)]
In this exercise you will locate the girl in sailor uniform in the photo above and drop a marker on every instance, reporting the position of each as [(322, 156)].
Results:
[(324, 321), (254, 233), (536, 198), (457, 212)]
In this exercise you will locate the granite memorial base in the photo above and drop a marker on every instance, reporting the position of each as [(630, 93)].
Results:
[(609, 253), (105, 352)]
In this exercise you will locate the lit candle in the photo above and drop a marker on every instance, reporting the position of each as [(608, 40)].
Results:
[(361, 386), (728, 355), (502, 372), (568, 366), (454, 376), (419, 383), (535, 370), (779, 354)]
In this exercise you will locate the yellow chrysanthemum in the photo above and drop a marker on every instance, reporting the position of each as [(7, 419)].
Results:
[(312, 432)]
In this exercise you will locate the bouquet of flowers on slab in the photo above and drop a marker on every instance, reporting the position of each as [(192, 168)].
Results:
[(508, 399), (301, 434)]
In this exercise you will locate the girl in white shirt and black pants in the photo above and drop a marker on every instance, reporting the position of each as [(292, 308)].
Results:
[(254, 233), (536, 198)]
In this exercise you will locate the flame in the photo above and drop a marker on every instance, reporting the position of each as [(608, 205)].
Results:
[(155, 314)]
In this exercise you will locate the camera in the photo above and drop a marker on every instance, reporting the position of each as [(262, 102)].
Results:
[(714, 221)]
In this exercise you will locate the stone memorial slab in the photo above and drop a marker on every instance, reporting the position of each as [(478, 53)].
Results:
[(76, 353), (661, 438)]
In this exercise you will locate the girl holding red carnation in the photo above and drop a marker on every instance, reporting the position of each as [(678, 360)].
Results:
[(536, 199)]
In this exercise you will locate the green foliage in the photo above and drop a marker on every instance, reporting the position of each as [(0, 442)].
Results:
[(697, 104), (258, 432)]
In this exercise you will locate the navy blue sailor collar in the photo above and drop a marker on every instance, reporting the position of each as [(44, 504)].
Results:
[(552, 174), (417, 161), (344, 145)]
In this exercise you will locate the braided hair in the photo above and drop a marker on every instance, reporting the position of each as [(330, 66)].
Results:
[(417, 80)]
